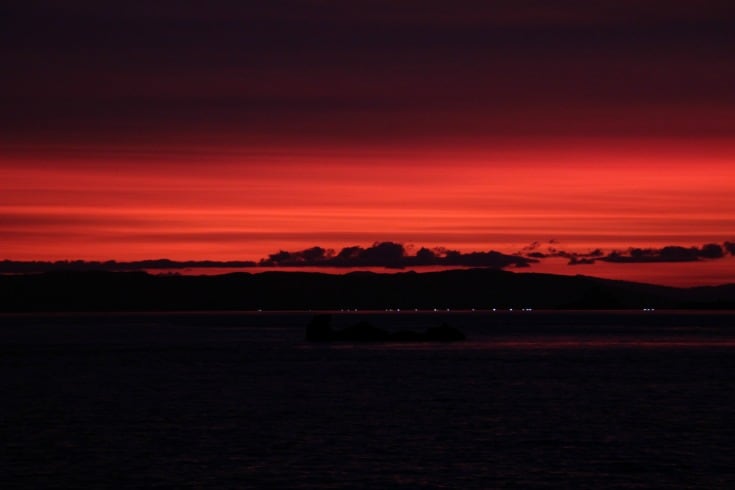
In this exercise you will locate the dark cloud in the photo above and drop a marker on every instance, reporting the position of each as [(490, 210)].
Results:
[(393, 255), (386, 253), (350, 253), (310, 256), (424, 256), (542, 250), (711, 251), (483, 259), (670, 253), (582, 261)]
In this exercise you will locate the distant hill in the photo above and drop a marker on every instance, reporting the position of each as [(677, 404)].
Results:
[(454, 289)]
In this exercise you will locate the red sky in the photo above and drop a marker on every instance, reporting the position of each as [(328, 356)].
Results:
[(231, 132)]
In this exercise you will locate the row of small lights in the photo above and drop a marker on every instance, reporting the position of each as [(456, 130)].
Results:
[(398, 310)]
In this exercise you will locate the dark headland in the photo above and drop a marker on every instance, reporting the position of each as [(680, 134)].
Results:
[(453, 289)]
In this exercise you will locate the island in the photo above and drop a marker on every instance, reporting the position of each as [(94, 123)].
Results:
[(320, 329)]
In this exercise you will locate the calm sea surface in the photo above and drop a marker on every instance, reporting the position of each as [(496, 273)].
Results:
[(239, 400)]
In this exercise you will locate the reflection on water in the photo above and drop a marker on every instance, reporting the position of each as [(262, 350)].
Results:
[(597, 400)]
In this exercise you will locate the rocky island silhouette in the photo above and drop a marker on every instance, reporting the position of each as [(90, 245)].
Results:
[(320, 329)]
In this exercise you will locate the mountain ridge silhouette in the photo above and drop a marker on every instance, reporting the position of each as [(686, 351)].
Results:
[(292, 290)]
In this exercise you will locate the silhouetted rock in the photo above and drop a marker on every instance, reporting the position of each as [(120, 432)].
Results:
[(407, 336), (319, 329), (444, 333), (362, 332)]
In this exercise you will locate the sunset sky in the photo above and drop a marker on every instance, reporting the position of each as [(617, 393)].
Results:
[(230, 130)]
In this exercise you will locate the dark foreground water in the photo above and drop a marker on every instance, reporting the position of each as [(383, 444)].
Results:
[(533, 400)]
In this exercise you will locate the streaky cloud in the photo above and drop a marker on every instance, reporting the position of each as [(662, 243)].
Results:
[(22, 267)]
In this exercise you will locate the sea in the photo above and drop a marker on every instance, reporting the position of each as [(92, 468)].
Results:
[(533, 399)]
